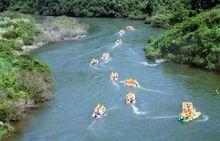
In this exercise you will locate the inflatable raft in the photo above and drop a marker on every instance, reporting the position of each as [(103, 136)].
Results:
[(94, 62), (130, 98), (131, 83), (99, 111), (118, 42), (114, 76), (188, 113), (195, 116), (105, 56)]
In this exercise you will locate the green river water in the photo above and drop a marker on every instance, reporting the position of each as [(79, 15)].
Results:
[(78, 87)]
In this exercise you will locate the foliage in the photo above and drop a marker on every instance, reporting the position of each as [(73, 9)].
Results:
[(4, 128), (59, 28), (195, 42), (20, 31), (162, 13), (22, 77)]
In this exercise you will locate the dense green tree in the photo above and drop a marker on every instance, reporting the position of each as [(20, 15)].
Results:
[(162, 13), (194, 41)]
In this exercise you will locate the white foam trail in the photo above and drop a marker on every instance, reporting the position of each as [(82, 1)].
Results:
[(105, 61), (134, 52), (121, 34), (111, 109), (204, 118), (113, 47), (149, 90), (217, 91), (95, 50), (163, 117), (91, 124), (94, 67), (147, 64), (115, 84), (158, 61), (137, 111), (121, 81), (105, 114)]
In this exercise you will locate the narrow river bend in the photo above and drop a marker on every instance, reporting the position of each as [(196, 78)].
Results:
[(79, 87)]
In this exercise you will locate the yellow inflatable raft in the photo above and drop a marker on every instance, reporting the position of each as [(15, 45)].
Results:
[(188, 112), (114, 76), (94, 62), (131, 83), (99, 111), (130, 98)]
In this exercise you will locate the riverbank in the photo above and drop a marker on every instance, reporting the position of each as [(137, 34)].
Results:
[(179, 16), (26, 81), (194, 42), (158, 13), (78, 87)]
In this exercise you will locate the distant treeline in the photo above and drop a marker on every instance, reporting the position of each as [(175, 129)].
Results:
[(157, 12)]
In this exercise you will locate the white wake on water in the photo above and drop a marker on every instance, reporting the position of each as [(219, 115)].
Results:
[(92, 124), (147, 64), (163, 117), (149, 90), (105, 61), (137, 111), (113, 47), (121, 34), (115, 84), (111, 109), (121, 81), (204, 118), (217, 91), (94, 67), (158, 61)]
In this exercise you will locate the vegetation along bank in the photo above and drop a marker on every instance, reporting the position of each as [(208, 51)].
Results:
[(193, 25), (25, 80)]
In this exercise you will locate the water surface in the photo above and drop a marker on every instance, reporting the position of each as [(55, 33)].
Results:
[(79, 87)]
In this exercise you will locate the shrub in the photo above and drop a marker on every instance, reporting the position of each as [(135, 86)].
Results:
[(194, 42), (7, 113)]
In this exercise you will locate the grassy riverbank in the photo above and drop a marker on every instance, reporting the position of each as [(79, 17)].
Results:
[(25, 80)]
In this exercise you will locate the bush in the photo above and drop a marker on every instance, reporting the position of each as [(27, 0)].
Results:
[(194, 42), (160, 13), (59, 28), (4, 128), (23, 78), (37, 85), (6, 112)]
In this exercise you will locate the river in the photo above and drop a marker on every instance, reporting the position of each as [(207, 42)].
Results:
[(78, 87)]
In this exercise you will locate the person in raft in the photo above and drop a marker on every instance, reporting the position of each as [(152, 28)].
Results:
[(130, 27), (105, 56), (94, 62), (188, 112), (99, 111), (114, 76), (130, 98), (131, 83), (118, 42)]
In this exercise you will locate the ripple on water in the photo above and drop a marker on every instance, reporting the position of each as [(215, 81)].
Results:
[(79, 87)]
